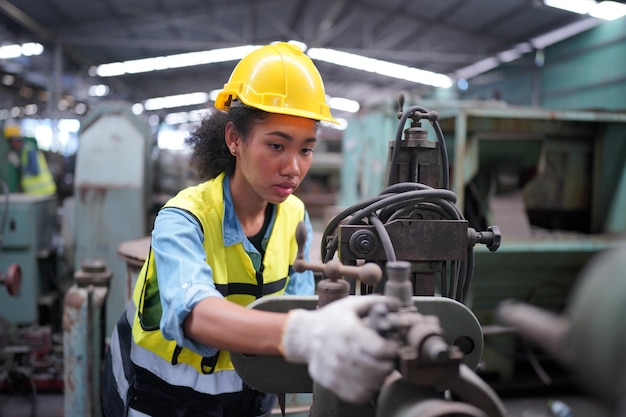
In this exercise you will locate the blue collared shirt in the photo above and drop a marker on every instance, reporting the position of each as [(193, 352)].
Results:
[(184, 276)]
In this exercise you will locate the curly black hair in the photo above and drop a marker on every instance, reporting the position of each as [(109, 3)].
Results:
[(210, 155)]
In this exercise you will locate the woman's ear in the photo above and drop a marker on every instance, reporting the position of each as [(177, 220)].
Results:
[(232, 137)]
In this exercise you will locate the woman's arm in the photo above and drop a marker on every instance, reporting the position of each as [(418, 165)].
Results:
[(223, 324), (194, 313)]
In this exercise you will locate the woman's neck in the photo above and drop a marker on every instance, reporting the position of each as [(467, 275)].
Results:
[(250, 209)]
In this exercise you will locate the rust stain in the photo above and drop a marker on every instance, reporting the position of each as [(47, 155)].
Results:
[(99, 192), (74, 299)]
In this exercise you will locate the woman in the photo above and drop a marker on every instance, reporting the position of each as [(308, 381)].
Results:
[(221, 244)]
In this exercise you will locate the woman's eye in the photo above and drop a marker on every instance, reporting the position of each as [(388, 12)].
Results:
[(276, 146), (307, 151)]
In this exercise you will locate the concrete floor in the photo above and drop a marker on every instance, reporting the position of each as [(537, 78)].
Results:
[(51, 405), (46, 405)]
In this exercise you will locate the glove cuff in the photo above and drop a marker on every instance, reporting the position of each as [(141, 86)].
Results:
[(298, 336)]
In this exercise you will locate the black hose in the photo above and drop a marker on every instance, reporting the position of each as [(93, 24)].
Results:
[(443, 150), (390, 253), (445, 164), (401, 200), (470, 273)]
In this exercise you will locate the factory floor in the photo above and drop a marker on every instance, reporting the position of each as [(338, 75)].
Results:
[(51, 405)]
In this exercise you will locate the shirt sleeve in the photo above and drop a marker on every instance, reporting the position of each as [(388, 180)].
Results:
[(303, 283), (32, 164), (184, 277)]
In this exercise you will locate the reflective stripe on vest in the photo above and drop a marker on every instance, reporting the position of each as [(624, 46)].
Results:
[(234, 276), (119, 355), (214, 384)]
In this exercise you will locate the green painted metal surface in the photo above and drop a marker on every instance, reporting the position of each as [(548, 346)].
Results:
[(585, 71), (274, 374), (364, 148), (540, 272)]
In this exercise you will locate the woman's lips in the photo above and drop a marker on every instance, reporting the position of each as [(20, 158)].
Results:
[(285, 188)]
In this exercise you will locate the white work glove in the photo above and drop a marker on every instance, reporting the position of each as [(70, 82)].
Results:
[(13, 159), (343, 354)]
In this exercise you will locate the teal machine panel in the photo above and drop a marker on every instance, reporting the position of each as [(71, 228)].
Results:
[(112, 193), (27, 239)]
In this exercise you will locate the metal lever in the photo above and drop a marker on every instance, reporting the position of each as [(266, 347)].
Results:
[(368, 273), (333, 287), (12, 279)]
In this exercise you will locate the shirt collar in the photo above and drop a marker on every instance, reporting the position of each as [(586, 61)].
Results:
[(231, 228)]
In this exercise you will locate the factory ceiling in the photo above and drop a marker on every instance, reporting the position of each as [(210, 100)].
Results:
[(442, 36)]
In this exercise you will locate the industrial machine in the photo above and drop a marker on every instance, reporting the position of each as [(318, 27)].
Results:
[(553, 181), (414, 234)]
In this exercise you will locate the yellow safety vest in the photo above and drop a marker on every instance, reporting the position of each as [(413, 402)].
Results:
[(36, 184), (233, 273)]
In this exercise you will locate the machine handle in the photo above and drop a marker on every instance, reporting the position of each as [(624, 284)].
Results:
[(492, 238), (12, 279), (368, 273)]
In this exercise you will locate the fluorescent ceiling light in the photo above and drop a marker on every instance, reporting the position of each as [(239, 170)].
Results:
[(185, 117), (608, 10), (377, 66), (343, 104), (179, 100), (343, 124), (479, 67), (213, 94), (575, 6), (25, 49), (174, 61), (299, 44), (99, 90), (159, 63)]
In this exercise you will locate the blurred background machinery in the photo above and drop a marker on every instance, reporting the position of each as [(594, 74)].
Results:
[(586, 337), (46, 240), (110, 205), (31, 293)]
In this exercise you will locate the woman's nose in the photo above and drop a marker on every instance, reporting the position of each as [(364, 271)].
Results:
[(291, 166)]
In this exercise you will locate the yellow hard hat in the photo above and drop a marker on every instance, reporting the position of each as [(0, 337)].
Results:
[(277, 78), (12, 131)]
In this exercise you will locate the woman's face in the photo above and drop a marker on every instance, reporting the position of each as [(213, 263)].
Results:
[(276, 157)]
